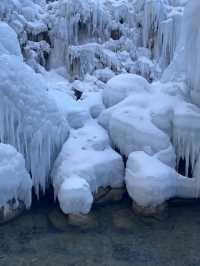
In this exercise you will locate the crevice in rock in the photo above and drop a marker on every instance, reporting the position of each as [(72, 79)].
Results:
[(181, 168)]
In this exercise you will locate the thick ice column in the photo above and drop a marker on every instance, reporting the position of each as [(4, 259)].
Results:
[(29, 118)]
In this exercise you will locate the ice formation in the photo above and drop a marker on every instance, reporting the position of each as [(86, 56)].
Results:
[(113, 74), (150, 182), (191, 36), (15, 182), (29, 118), (155, 121), (161, 22), (75, 196), (87, 156)]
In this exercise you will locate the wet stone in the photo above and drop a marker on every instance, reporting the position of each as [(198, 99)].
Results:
[(88, 221), (58, 220), (123, 219), (107, 195), (11, 212), (159, 212)]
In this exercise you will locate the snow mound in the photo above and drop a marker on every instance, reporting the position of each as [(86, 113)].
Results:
[(87, 154), (121, 86), (75, 196), (15, 182), (149, 182), (163, 125)]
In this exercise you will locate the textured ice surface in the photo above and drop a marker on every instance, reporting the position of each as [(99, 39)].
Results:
[(29, 118), (75, 196), (87, 154), (149, 182), (96, 53), (15, 182), (121, 86), (8, 40)]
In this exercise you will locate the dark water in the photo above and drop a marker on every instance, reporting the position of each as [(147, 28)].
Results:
[(114, 237)]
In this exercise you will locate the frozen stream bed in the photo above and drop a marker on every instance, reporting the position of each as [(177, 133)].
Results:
[(115, 238)]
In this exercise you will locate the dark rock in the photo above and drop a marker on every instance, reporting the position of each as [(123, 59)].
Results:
[(88, 221), (12, 211), (158, 212), (106, 195)]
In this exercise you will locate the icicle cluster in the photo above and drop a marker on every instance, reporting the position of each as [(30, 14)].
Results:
[(161, 28), (191, 42), (29, 119)]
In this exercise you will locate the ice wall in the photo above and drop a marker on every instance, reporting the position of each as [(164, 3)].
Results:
[(161, 22), (29, 118), (191, 42)]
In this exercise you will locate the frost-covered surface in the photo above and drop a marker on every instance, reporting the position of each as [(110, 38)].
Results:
[(87, 154), (8, 41), (15, 182), (75, 196), (124, 75), (29, 118), (158, 121), (150, 182)]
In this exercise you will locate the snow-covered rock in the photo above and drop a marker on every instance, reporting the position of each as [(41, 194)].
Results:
[(121, 86), (87, 154), (97, 53), (15, 183), (75, 196), (149, 182)]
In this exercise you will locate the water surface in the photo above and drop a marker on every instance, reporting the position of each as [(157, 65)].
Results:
[(114, 237)]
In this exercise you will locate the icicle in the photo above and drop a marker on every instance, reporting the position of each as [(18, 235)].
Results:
[(187, 148), (29, 119)]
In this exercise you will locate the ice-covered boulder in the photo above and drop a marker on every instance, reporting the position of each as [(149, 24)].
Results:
[(75, 196), (149, 182), (142, 121), (121, 86), (15, 183), (29, 118), (156, 127), (88, 155)]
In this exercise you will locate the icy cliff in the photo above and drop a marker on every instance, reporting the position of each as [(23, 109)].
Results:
[(120, 78)]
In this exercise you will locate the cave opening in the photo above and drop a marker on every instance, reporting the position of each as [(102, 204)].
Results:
[(181, 168), (45, 200)]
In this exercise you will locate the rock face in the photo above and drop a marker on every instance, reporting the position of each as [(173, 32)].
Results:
[(109, 195)]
